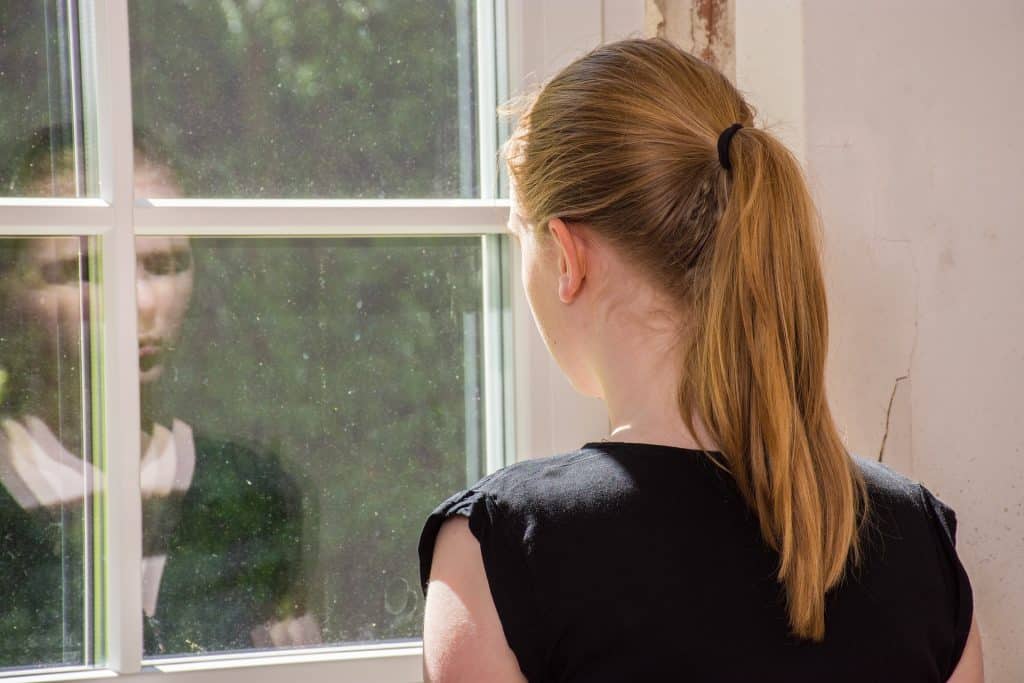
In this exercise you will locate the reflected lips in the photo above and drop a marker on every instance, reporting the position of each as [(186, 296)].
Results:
[(149, 355), (149, 350)]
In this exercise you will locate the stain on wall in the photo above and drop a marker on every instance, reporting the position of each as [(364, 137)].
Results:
[(705, 28)]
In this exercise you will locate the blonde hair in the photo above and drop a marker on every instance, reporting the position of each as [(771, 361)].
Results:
[(624, 140)]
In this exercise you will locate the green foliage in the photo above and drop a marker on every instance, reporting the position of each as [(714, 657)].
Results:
[(316, 99)]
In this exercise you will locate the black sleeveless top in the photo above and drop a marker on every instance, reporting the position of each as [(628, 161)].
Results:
[(629, 562)]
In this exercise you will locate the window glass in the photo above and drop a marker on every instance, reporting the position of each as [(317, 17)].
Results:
[(354, 98), (41, 150), (306, 402), (48, 482)]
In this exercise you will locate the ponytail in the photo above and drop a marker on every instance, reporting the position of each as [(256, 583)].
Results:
[(624, 139), (755, 374)]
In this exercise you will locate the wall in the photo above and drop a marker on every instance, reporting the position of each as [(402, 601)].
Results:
[(911, 135), (907, 116)]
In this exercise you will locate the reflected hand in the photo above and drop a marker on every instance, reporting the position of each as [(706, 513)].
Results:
[(38, 471), (288, 632)]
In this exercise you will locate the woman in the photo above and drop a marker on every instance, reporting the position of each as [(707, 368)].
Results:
[(721, 532), (222, 523)]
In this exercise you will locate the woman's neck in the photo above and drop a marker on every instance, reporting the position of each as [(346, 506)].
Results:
[(638, 364)]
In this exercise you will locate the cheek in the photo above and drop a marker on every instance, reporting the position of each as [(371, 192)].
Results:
[(56, 311), (539, 283), (59, 304), (531, 273), (173, 296)]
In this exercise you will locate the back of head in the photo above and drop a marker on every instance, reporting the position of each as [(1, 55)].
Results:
[(625, 139)]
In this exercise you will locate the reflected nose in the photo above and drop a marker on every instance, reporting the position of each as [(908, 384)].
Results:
[(145, 300)]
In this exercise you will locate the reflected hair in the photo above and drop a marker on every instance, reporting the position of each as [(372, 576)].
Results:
[(47, 157), (624, 140)]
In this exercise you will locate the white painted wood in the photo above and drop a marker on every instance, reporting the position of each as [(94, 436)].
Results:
[(320, 217), (386, 663), (119, 342)]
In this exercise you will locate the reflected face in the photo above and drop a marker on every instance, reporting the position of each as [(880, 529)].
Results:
[(56, 289), (51, 291), (164, 276)]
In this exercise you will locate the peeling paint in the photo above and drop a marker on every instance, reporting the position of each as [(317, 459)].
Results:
[(654, 18), (710, 29), (705, 28)]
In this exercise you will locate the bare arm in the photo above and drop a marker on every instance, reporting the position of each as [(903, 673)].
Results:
[(970, 669), (462, 635)]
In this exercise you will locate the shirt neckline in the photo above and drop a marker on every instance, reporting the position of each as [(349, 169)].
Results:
[(637, 444)]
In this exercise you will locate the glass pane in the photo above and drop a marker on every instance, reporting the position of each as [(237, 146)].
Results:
[(306, 402), (354, 98), (47, 478), (41, 150)]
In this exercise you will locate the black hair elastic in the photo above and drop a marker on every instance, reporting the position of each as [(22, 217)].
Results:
[(723, 145)]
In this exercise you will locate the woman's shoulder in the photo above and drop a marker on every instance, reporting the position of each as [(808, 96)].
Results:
[(519, 486), (903, 497), (536, 475), (567, 486), (883, 481)]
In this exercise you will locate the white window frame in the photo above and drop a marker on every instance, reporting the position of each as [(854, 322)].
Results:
[(539, 38)]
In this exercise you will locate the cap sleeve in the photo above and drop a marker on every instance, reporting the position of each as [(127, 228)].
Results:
[(507, 573), (944, 523)]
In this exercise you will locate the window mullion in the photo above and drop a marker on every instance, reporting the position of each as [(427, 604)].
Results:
[(21, 217), (331, 218), (487, 96), (122, 538)]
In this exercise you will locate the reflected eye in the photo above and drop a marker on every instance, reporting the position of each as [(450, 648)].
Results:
[(65, 272), (167, 263)]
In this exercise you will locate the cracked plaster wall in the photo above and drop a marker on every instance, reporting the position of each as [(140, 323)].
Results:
[(906, 116), (914, 148)]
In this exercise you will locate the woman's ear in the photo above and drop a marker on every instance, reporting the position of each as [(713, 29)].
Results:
[(572, 259)]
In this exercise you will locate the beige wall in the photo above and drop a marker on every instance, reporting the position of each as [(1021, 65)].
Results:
[(913, 141), (908, 116)]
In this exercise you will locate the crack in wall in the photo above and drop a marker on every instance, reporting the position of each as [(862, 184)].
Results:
[(888, 415), (916, 279)]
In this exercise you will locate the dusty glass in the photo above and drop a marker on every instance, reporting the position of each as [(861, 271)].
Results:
[(42, 149), (353, 99), (316, 397), (49, 484)]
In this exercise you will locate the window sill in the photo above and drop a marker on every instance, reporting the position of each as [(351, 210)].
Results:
[(390, 663)]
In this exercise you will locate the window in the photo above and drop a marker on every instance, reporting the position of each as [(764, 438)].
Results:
[(267, 320), (49, 485)]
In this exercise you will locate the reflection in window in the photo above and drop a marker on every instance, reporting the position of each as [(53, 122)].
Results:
[(362, 98), (41, 129), (46, 473), (319, 395)]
